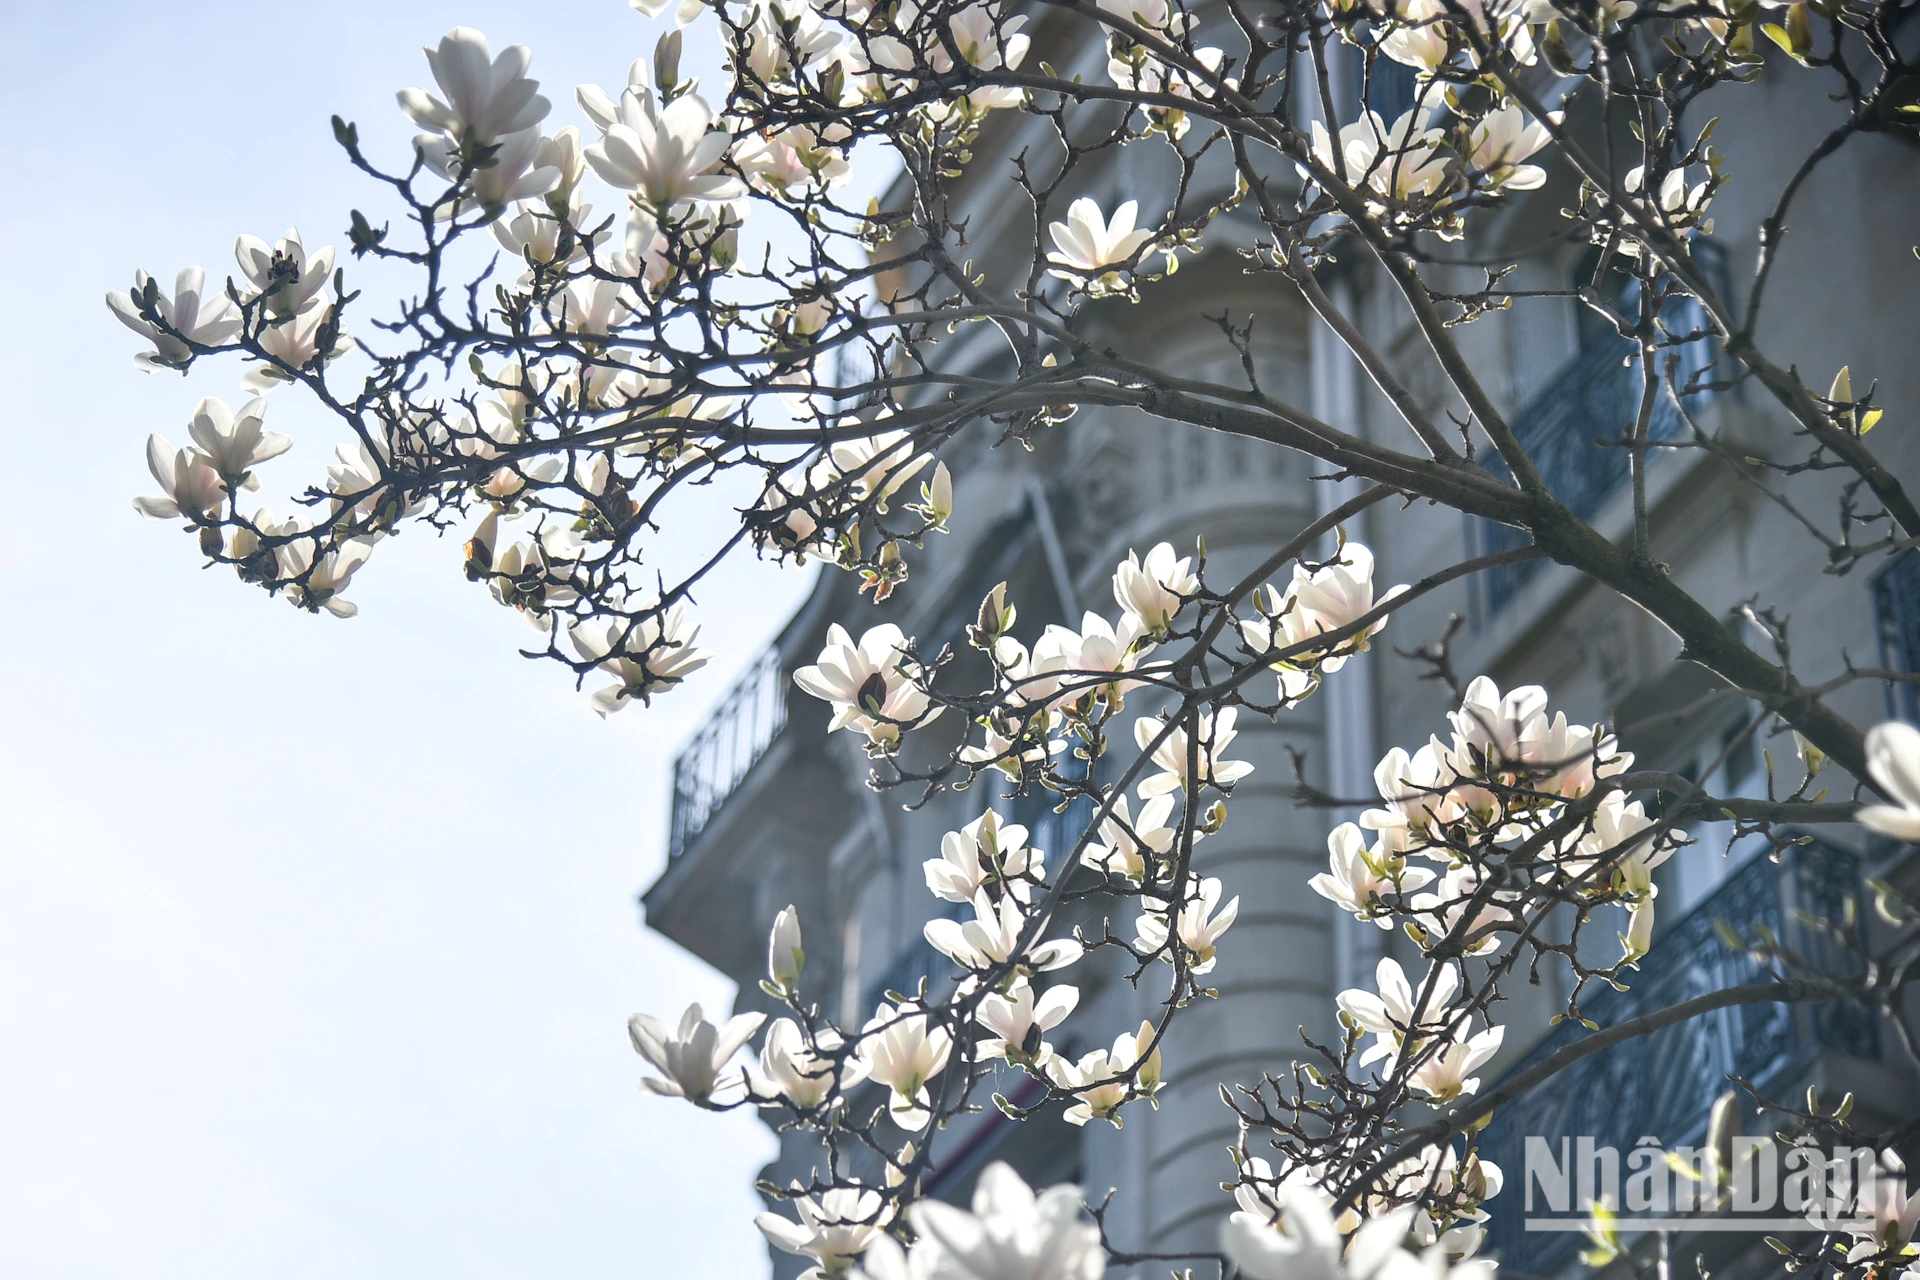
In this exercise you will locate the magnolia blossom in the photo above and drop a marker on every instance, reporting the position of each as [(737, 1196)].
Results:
[(1153, 589), (673, 156), (878, 465), (645, 655), (1199, 924), (791, 1070), (1681, 204), (1125, 840), (1390, 1014), (190, 478), (1071, 656), (1331, 597), (865, 685), (1018, 1021), (1399, 164), (191, 318), (992, 938), (1312, 1247), (1087, 244), (1417, 789), (1448, 911), (693, 1055), (901, 1050), (285, 277), (833, 1230), (1500, 141), (1012, 1234), (1098, 1079), (986, 852), (1445, 1074), (1895, 1214), (514, 171), (1358, 877), (486, 97), (785, 956), (296, 345), (1495, 734), (1893, 758), (986, 39), (316, 584), (236, 443), (1216, 734)]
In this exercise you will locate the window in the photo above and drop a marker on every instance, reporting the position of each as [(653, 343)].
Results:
[(1896, 608)]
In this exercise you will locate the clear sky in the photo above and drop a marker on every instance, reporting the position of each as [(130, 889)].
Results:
[(317, 937)]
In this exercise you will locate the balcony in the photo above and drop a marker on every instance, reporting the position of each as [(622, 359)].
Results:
[(711, 767), (1593, 398), (1664, 1085)]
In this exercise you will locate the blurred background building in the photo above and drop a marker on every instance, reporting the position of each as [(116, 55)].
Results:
[(767, 810)]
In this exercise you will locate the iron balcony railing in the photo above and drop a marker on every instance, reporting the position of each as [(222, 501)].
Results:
[(1663, 1086), (711, 766), (1591, 399), (1896, 607)]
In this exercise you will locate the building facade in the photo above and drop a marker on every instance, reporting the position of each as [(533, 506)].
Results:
[(768, 810)]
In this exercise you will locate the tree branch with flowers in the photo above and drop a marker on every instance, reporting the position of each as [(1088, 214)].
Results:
[(614, 314)]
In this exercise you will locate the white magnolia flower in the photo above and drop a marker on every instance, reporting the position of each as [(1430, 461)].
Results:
[(1012, 1234), (1418, 789), (1019, 1021), (1154, 15), (1893, 758), (1681, 203), (236, 443), (1216, 734), (1448, 1073), (1088, 245), (192, 482), (191, 316), (1500, 142), (486, 97), (992, 938), (984, 852), (900, 1050), (1125, 840), (1260, 1194), (1335, 595), (323, 581), (1621, 834), (1099, 1079), (645, 655), (1312, 1248), (1495, 735), (670, 158), (295, 343), (987, 40), (793, 1070), (865, 685), (514, 172), (1390, 1014), (833, 1231), (1199, 925), (1402, 163), (284, 277), (1444, 911), (1152, 589), (876, 466), (785, 956), (692, 1056), (1638, 939), (1065, 657), (1883, 1198), (1358, 878)]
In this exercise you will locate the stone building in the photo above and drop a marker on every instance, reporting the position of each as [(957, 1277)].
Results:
[(768, 810)]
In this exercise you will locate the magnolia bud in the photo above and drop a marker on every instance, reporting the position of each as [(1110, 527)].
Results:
[(785, 958)]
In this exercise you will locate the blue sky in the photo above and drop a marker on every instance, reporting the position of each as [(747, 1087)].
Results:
[(317, 937)]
